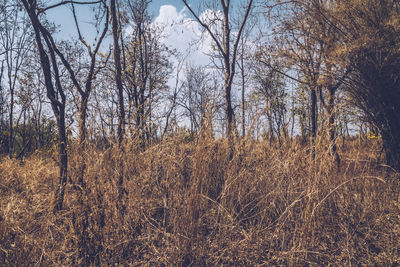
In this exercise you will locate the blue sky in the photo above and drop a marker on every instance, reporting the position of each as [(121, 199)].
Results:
[(180, 29), (62, 16), (155, 5)]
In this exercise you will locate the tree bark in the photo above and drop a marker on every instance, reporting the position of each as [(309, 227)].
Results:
[(313, 120), (243, 93), (121, 115), (11, 127), (82, 139), (391, 144), (389, 129), (63, 164), (118, 71), (331, 125), (58, 106)]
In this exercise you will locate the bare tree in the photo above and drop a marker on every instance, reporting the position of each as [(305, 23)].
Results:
[(304, 42), (173, 100), (32, 98), (14, 41), (228, 51), (56, 94), (116, 32), (3, 127), (49, 52), (196, 96), (270, 86), (146, 67), (84, 91)]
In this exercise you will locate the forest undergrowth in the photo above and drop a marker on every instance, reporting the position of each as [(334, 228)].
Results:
[(186, 203)]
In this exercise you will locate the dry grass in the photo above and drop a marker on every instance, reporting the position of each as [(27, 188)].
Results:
[(187, 204)]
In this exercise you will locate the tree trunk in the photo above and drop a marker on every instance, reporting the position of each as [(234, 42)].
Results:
[(391, 144), (121, 115), (11, 127), (82, 140), (142, 121), (118, 71), (230, 125), (243, 93), (58, 107), (63, 161), (331, 125), (313, 120), (390, 137), (270, 124)]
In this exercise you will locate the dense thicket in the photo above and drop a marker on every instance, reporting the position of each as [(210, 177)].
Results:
[(371, 30)]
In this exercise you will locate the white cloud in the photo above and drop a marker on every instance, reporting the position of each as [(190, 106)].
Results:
[(183, 34), (169, 15)]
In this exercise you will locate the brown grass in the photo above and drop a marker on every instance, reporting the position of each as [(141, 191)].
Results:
[(187, 204)]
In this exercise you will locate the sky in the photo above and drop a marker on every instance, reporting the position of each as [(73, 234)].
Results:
[(180, 31), (62, 15), (154, 7), (184, 34)]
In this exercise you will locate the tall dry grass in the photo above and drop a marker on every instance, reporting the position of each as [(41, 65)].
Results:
[(187, 204)]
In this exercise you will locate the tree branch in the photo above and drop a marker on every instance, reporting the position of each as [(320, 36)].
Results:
[(235, 46), (205, 26), (282, 73), (42, 10)]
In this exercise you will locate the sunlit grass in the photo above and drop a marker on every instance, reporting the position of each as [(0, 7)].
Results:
[(187, 203)]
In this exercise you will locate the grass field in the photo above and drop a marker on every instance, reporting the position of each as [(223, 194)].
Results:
[(187, 204)]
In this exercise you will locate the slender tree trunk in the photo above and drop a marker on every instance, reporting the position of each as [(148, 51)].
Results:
[(58, 107), (11, 126), (81, 214), (63, 162), (82, 140), (331, 125), (229, 72), (313, 120), (121, 115), (270, 125), (118, 72), (142, 122), (293, 116), (230, 122), (243, 93), (229, 113)]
